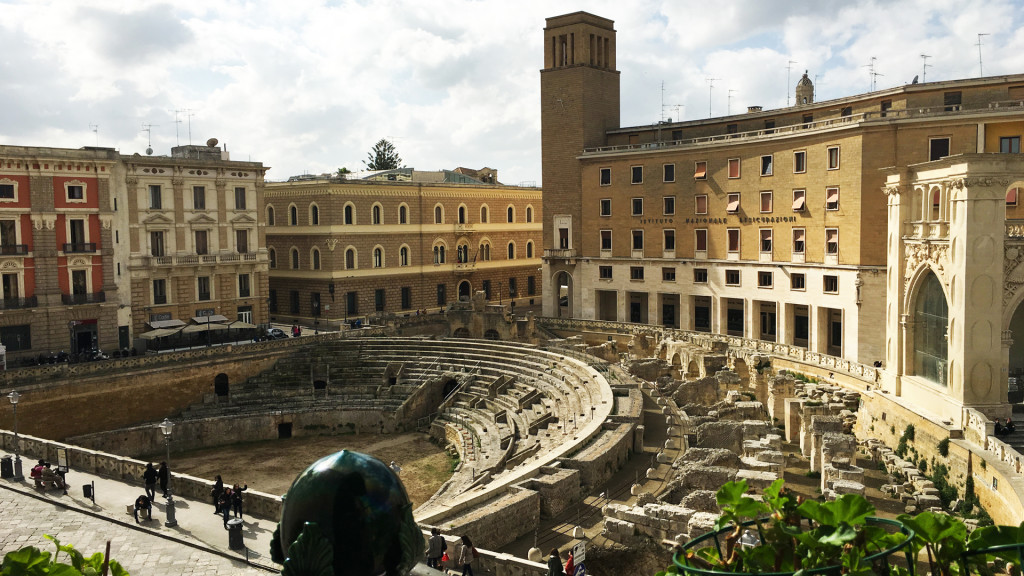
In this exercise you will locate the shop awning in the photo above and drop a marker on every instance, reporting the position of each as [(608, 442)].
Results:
[(195, 328), (159, 333), (209, 319), (157, 324)]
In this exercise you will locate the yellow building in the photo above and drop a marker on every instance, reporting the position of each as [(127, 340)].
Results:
[(768, 225), (190, 239), (398, 242)]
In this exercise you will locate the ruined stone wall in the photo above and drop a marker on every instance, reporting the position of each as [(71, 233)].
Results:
[(499, 521), (604, 456), (558, 488), (210, 432)]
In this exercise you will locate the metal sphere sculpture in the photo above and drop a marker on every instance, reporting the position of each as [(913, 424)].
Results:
[(347, 513)]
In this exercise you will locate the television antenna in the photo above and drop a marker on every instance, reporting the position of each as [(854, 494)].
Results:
[(924, 67), (728, 106), (670, 106), (981, 69), (871, 71), (148, 129), (711, 87), (789, 68), (96, 131)]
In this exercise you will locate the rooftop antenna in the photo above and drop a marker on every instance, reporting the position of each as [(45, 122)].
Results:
[(663, 105), (148, 129), (924, 67), (177, 122), (814, 89), (789, 68), (871, 71), (190, 115), (728, 106), (981, 69), (96, 131), (711, 87)]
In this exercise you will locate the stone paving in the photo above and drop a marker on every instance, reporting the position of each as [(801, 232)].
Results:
[(198, 545)]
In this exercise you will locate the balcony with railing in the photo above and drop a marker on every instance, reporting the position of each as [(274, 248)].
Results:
[(79, 247), (13, 249), (18, 303), (560, 254), (78, 299), (197, 259)]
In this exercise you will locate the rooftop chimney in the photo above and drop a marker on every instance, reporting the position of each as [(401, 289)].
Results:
[(752, 109)]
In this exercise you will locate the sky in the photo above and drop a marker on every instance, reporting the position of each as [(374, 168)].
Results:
[(309, 86)]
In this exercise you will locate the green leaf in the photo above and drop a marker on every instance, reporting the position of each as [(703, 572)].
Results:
[(841, 535), (27, 561), (851, 508), (116, 569), (730, 493)]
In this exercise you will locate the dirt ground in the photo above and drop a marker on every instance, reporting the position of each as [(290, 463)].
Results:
[(271, 465)]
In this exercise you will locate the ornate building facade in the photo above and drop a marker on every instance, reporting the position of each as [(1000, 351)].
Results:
[(193, 237), (57, 274), (768, 225), (342, 250)]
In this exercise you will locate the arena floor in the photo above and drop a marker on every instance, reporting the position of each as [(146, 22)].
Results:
[(270, 466)]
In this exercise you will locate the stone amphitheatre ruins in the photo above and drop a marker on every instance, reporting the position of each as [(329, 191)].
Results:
[(542, 418)]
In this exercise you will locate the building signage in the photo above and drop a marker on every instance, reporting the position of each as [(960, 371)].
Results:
[(734, 220)]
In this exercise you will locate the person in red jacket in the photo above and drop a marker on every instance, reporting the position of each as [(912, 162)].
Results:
[(569, 566)]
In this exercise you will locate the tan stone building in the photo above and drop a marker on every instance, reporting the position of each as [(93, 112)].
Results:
[(768, 225), (399, 241), (57, 275), (193, 239)]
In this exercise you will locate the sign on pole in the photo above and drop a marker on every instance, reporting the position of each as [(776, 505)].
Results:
[(579, 552), (581, 570)]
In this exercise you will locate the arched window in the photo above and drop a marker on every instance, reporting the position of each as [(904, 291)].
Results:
[(350, 259), (378, 257), (315, 257), (485, 251), (438, 215), (293, 216), (350, 214), (403, 215), (462, 214), (511, 251), (529, 249), (295, 259), (270, 215), (272, 255), (403, 256), (376, 214), (314, 215), (462, 253), (931, 322), (483, 214), (529, 213), (511, 214), (439, 254)]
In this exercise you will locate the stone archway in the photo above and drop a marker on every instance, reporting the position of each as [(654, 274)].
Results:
[(563, 294), (692, 370), (461, 332), (492, 335), (677, 365), (465, 291), (221, 385)]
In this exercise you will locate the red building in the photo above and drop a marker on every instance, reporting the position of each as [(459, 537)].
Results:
[(56, 251)]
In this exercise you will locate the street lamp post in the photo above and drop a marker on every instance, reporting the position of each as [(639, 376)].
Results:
[(14, 397), (167, 427)]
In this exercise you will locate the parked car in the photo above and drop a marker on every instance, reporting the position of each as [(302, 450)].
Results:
[(275, 334)]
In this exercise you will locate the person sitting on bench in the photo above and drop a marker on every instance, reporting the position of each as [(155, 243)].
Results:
[(51, 478), (143, 503)]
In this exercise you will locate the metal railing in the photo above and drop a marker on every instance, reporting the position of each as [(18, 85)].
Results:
[(16, 303), (13, 249), (79, 247), (76, 299)]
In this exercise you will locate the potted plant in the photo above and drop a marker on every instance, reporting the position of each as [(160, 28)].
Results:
[(784, 534)]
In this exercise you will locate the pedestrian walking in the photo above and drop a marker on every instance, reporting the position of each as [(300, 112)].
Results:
[(466, 556), (164, 475), (435, 548), (218, 489), (149, 477), (555, 564), (236, 499)]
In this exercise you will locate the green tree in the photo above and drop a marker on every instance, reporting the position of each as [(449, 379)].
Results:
[(342, 172), (383, 156)]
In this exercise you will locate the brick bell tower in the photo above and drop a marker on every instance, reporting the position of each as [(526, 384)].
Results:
[(579, 92)]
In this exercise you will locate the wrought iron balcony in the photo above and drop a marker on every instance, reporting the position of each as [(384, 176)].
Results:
[(13, 249), (76, 299), (16, 303), (79, 247)]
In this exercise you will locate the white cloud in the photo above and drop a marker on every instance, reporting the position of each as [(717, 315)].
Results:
[(453, 82)]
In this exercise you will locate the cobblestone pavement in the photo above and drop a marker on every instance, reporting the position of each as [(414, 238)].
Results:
[(197, 545), (24, 519)]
